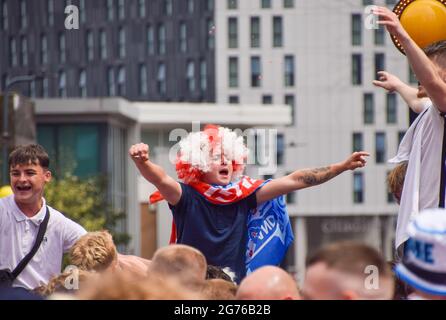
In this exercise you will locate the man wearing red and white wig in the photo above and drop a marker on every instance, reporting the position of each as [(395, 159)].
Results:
[(215, 208)]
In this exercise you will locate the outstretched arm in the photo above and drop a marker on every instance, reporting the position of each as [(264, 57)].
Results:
[(427, 72), (167, 186), (392, 83), (301, 179)]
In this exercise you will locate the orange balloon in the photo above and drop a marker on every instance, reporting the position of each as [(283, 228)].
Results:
[(425, 21)]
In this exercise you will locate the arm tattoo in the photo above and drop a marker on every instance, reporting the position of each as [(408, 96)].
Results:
[(317, 176)]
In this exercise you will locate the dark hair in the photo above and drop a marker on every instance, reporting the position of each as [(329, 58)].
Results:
[(350, 257), (214, 272), (29, 154), (437, 51)]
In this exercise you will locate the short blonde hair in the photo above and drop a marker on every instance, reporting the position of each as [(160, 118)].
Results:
[(94, 251)]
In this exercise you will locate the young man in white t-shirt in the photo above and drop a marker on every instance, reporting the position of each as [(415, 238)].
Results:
[(21, 215)]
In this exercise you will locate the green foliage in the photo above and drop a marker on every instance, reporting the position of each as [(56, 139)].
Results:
[(85, 201)]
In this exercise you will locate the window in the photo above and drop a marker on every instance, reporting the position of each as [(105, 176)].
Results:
[(290, 101), (367, 2), (121, 43), (203, 75), (82, 12), (183, 37), (161, 39), (232, 33), (90, 45), (32, 89), (121, 10), (289, 71), (356, 29), (190, 6), (12, 52), (265, 4), (412, 76), (102, 45), (50, 10), (380, 36), (24, 47), (288, 3), (356, 69), (391, 2), (291, 197), (280, 149), (168, 7), (358, 187), (45, 88), (256, 77), (380, 144), (121, 82), (23, 20), (190, 76), (401, 135), (161, 77), (277, 32), (391, 108), (110, 10), (82, 83), (233, 100), (358, 143), (267, 99), (150, 40), (62, 48), (380, 64), (43, 49), (210, 34), (210, 5), (143, 84), (255, 32), (142, 8), (62, 84), (111, 87), (369, 108), (232, 4), (5, 22), (233, 72)]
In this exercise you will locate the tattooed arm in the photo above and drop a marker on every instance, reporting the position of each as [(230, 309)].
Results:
[(301, 179)]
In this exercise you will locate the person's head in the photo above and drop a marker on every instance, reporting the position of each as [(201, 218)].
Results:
[(395, 180), (180, 261), (347, 271), (28, 169), (424, 262), (214, 272), (215, 155), (437, 54), (268, 283), (219, 289), (94, 251)]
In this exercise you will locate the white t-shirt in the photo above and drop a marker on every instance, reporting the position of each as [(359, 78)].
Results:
[(18, 234), (422, 147)]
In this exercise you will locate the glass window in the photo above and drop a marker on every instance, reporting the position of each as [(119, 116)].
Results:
[(255, 32), (5, 22), (289, 71), (142, 8), (168, 7), (43, 49), (102, 45), (380, 64), (412, 77), (265, 4), (150, 40), (291, 197), (110, 10), (280, 149), (82, 11), (233, 72), (290, 101), (391, 108), (62, 84), (356, 29), (203, 75), (45, 87), (380, 143), (400, 136), (356, 69), (367, 2), (111, 87), (267, 99), (233, 100), (256, 73), (358, 187), (121, 9), (32, 89), (380, 36), (121, 43), (62, 48), (277, 32), (369, 108), (190, 76), (161, 77), (210, 34), (288, 3), (210, 5), (143, 85), (161, 39), (12, 52), (23, 20), (183, 37), (232, 32), (358, 143), (90, 45), (24, 47), (231, 4), (82, 83), (190, 6), (121, 81)]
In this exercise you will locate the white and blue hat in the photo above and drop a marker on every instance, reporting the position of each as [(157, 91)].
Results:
[(424, 262)]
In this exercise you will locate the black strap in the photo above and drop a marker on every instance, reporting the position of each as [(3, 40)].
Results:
[(42, 229), (441, 203)]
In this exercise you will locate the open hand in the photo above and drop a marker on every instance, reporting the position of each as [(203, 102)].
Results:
[(356, 160), (139, 152), (389, 19)]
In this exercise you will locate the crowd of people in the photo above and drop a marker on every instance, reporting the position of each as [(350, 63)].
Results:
[(218, 251)]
